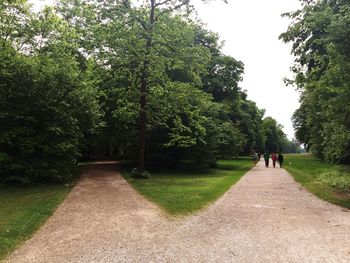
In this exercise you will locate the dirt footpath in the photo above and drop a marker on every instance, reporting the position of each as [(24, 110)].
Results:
[(265, 217)]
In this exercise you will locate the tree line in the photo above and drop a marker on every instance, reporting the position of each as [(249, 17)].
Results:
[(320, 34), (108, 78)]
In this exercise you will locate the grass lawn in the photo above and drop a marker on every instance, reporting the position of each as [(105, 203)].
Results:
[(187, 190), (330, 182), (23, 210)]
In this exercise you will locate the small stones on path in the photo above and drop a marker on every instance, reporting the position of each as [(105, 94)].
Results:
[(105, 220)]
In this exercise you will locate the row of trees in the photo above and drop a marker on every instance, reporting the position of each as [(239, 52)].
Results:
[(140, 82), (320, 35)]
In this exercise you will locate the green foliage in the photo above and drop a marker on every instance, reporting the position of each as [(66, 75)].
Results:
[(15, 23), (337, 180), (292, 146), (136, 173), (92, 78), (322, 73), (224, 73), (274, 136), (250, 120), (242, 115), (192, 87), (46, 103)]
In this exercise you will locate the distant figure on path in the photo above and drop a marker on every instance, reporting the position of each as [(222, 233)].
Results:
[(255, 158), (274, 159), (266, 158), (280, 159)]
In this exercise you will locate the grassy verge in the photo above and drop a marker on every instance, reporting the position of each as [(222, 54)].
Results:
[(23, 210), (189, 189), (330, 182)]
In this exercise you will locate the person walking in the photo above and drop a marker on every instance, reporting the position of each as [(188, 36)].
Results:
[(266, 158), (255, 158), (274, 159), (280, 159)]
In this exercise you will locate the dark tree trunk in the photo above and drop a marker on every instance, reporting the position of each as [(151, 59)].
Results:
[(142, 120), (143, 90)]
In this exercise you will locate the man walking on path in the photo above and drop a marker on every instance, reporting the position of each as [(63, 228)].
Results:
[(280, 159), (266, 158)]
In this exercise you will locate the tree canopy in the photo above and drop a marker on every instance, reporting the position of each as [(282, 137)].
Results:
[(320, 36), (110, 78)]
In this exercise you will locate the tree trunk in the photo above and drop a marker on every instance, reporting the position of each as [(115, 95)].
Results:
[(143, 90), (142, 119)]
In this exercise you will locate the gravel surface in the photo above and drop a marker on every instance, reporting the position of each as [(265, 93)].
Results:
[(265, 217)]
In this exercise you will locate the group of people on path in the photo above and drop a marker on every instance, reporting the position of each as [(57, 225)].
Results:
[(274, 157)]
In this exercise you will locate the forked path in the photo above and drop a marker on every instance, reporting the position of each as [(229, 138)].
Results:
[(265, 217)]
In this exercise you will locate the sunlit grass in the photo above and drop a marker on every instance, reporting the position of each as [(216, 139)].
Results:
[(330, 182), (190, 189), (23, 210)]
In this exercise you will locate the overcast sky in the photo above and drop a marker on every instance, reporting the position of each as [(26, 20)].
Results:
[(250, 29)]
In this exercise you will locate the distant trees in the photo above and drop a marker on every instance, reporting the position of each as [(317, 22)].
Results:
[(275, 140), (274, 136), (109, 78), (320, 36), (292, 146)]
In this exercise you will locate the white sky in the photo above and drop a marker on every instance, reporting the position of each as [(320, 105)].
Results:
[(250, 29)]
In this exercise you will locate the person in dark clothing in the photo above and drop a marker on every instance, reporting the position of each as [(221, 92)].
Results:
[(280, 159), (255, 158), (266, 158)]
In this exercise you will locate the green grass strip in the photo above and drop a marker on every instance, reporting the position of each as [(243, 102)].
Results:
[(23, 210), (185, 191), (330, 182)]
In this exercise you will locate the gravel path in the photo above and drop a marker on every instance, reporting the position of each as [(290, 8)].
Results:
[(265, 217)]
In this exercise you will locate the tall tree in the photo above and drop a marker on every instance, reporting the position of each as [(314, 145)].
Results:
[(319, 33), (149, 45)]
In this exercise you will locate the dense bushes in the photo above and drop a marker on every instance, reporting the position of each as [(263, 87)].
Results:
[(44, 110), (47, 103)]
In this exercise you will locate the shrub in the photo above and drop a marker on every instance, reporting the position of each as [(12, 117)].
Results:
[(136, 173), (337, 180)]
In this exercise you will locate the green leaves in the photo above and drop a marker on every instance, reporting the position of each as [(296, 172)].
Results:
[(79, 79), (47, 103), (194, 104), (319, 33)]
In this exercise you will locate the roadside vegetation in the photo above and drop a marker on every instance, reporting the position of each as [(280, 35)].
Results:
[(190, 188), (330, 182), (116, 79), (23, 210), (319, 36)]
